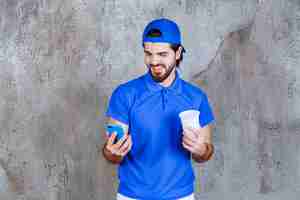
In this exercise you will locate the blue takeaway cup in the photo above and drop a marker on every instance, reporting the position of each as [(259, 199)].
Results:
[(111, 128)]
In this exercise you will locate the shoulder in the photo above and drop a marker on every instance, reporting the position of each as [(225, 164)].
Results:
[(192, 90), (130, 86), (129, 91)]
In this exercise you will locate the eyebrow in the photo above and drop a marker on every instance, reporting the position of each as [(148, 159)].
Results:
[(159, 53)]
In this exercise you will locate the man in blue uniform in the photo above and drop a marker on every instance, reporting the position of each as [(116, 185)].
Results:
[(154, 155)]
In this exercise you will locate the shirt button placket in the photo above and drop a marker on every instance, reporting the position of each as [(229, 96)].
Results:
[(164, 98)]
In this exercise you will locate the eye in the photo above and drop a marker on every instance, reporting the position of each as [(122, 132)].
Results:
[(163, 54), (147, 53)]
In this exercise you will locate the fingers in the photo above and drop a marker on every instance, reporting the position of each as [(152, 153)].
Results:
[(194, 135), (195, 147), (106, 136), (188, 141), (111, 139), (122, 147), (189, 137), (189, 148), (128, 149), (188, 134), (109, 143), (191, 132), (121, 141), (125, 148), (188, 144)]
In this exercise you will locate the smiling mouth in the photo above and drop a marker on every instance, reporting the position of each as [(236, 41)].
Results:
[(157, 67), (157, 71)]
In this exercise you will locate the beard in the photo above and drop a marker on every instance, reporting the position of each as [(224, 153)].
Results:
[(164, 76)]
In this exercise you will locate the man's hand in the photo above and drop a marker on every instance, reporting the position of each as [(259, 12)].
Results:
[(115, 152), (198, 142), (193, 141), (122, 147)]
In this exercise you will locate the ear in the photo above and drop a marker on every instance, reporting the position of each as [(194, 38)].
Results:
[(178, 53)]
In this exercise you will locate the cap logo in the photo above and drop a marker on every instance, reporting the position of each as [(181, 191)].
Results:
[(154, 33)]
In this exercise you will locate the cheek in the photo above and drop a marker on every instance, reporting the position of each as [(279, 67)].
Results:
[(146, 59), (170, 61)]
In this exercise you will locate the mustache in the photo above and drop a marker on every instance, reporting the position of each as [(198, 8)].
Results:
[(157, 65)]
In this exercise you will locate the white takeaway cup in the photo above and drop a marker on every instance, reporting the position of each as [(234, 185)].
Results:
[(190, 119)]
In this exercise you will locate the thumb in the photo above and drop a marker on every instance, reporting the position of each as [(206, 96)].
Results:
[(111, 139)]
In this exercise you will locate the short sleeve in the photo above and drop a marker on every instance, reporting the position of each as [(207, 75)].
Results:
[(206, 115), (118, 107)]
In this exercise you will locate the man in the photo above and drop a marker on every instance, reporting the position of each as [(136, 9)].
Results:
[(154, 155)]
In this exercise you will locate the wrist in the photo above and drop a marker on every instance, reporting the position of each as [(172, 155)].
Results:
[(207, 155)]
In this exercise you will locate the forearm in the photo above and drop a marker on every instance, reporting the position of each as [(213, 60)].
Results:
[(207, 155), (115, 159)]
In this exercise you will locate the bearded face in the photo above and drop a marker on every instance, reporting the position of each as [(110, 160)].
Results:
[(160, 58)]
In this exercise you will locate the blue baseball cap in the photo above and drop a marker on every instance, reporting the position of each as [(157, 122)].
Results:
[(162, 30)]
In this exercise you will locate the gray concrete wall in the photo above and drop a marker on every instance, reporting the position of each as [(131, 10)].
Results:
[(60, 61)]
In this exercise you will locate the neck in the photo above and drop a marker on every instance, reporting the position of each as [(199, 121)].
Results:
[(168, 81)]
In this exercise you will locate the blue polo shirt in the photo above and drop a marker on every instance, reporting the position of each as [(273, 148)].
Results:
[(157, 167)]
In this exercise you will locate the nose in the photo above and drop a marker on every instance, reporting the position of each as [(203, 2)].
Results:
[(154, 60)]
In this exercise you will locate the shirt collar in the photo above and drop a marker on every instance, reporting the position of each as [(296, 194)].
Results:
[(153, 86)]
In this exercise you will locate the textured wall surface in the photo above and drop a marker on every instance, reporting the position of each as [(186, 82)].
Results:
[(60, 60)]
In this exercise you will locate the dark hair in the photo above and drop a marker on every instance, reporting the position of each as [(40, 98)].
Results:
[(157, 33), (175, 47)]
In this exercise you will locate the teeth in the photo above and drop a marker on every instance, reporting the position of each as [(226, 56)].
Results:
[(157, 67)]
